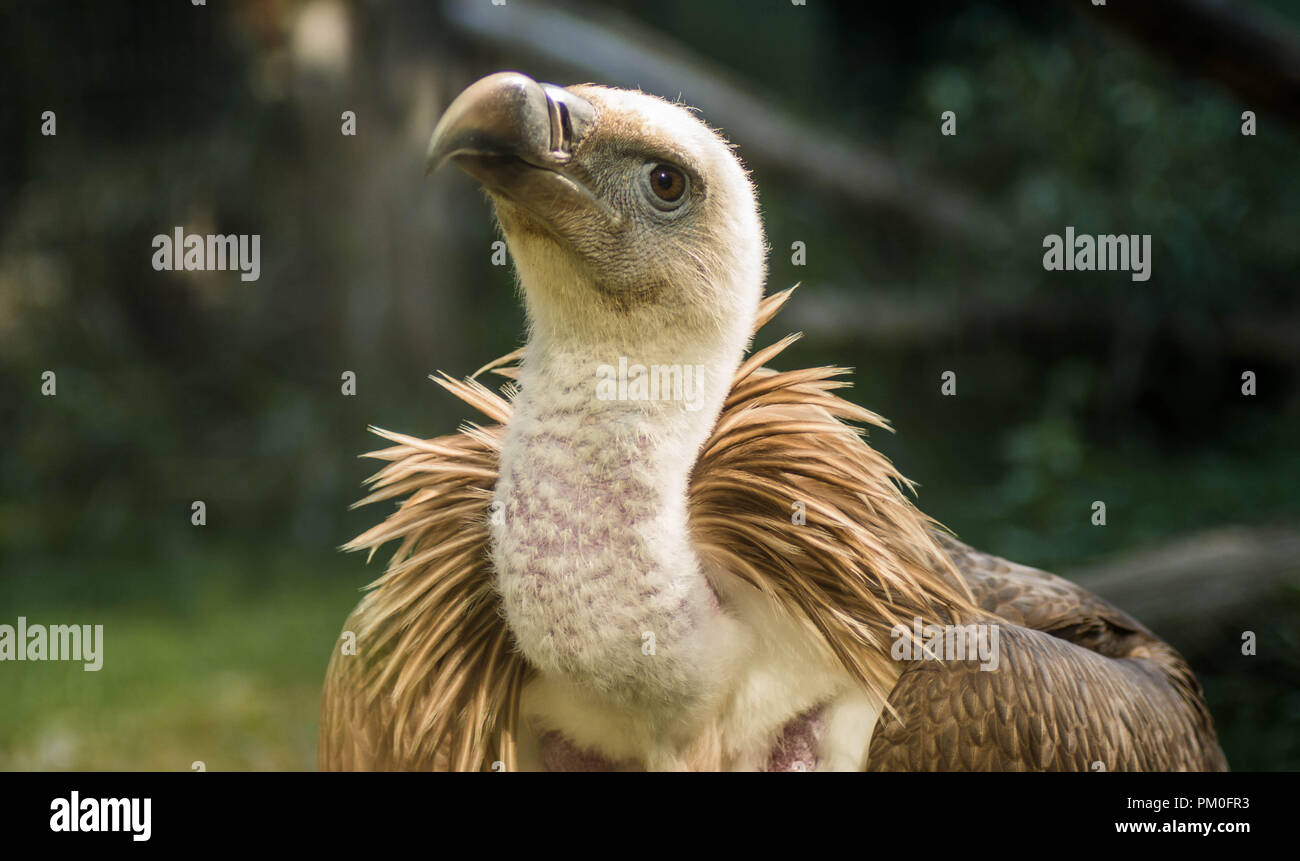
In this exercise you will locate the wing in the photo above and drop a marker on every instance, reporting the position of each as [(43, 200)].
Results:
[(1079, 686)]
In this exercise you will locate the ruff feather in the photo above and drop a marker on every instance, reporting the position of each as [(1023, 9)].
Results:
[(436, 680)]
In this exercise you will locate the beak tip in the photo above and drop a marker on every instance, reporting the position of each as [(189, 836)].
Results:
[(434, 157)]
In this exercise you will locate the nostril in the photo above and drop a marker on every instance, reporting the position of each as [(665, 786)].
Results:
[(571, 117), (566, 129), (561, 129), (555, 111)]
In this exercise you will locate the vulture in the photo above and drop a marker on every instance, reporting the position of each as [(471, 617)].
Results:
[(654, 552)]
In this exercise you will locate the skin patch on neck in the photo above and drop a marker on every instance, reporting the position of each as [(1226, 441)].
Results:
[(796, 746), (560, 754)]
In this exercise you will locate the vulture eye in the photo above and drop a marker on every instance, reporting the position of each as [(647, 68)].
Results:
[(667, 185)]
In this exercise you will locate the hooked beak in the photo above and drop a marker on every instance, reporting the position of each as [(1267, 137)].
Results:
[(518, 137)]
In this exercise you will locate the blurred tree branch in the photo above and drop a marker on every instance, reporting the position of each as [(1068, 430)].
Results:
[(1193, 584), (617, 51), (906, 320), (1253, 53)]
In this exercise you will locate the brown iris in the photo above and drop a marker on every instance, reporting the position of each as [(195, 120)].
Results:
[(667, 183)]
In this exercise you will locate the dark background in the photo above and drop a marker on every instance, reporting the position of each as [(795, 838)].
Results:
[(924, 255)]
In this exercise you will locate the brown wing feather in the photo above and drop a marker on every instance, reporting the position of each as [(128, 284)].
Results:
[(1080, 685)]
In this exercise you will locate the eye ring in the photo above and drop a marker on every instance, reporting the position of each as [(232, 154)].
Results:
[(667, 185)]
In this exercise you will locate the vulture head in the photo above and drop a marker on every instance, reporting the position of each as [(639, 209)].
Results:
[(632, 224)]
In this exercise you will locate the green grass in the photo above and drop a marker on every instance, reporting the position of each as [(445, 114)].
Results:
[(232, 680)]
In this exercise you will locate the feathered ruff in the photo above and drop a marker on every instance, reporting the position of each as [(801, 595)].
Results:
[(435, 682)]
